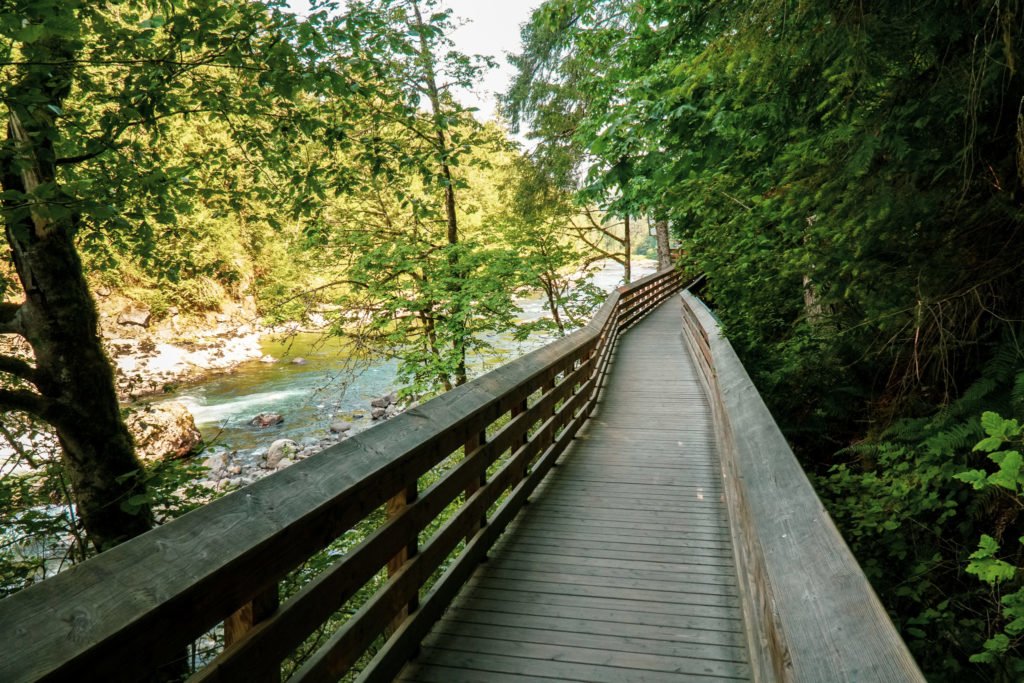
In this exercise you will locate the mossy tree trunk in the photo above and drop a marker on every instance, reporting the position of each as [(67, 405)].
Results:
[(71, 384), (664, 249)]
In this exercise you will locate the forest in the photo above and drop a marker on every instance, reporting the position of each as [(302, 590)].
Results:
[(848, 177)]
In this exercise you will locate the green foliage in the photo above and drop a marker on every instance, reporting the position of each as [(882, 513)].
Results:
[(849, 180), (535, 226), (1002, 650), (987, 566), (914, 527)]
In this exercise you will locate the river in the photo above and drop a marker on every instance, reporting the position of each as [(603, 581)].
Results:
[(330, 384)]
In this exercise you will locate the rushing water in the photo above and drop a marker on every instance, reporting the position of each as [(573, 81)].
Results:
[(330, 384)]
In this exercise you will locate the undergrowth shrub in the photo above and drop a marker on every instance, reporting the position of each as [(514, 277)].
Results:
[(901, 502)]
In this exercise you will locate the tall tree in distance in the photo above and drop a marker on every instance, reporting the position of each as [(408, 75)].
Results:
[(422, 132), (569, 74), (427, 63)]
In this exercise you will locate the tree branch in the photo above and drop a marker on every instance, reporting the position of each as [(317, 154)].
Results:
[(16, 445), (18, 368), (27, 402), (581, 233), (68, 161), (110, 140)]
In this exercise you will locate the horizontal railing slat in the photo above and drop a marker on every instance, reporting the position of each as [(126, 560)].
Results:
[(810, 612), (388, 662)]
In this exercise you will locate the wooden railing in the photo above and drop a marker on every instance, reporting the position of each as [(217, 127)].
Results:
[(136, 608), (810, 613)]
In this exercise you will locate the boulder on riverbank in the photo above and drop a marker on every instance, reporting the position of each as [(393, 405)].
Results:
[(385, 407), (340, 426), (135, 315), (281, 454), (164, 432)]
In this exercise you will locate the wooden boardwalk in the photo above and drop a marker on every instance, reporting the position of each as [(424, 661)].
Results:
[(621, 568)]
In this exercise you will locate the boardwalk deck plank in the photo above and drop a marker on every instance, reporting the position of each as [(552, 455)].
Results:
[(621, 568)]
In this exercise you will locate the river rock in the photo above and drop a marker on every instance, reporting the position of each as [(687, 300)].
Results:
[(340, 426), (267, 420), (279, 451), (391, 410), (164, 432), (216, 464), (299, 361), (268, 359), (382, 402), (378, 413), (135, 315)]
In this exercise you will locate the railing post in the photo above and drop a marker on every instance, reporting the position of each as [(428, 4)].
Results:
[(392, 509), (595, 369), (474, 442), (549, 386), (262, 606), (517, 410)]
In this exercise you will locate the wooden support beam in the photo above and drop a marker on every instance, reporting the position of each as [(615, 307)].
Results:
[(472, 449), (238, 625), (393, 508)]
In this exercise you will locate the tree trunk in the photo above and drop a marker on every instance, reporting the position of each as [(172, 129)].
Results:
[(664, 250), (434, 96), (72, 375), (627, 254), (549, 290)]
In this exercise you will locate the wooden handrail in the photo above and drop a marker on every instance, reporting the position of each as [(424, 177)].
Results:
[(135, 608), (810, 613)]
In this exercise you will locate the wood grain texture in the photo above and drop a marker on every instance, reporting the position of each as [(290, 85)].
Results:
[(621, 568), (812, 614)]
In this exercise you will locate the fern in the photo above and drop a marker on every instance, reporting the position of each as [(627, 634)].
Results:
[(1017, 394), (957, 439)]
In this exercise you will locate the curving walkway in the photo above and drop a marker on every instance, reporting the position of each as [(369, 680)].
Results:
[(621, 568)]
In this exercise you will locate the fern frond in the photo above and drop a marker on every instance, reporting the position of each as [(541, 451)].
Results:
[(1017, 394), (957, 439)]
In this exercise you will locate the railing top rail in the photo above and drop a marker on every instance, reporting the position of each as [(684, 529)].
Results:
[(820, 619), (187, 575)]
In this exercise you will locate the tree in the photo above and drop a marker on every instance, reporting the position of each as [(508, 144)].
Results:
[(571, 77), (425, 287), (87, 86), (661, 232), (538, 226), (394, 284)]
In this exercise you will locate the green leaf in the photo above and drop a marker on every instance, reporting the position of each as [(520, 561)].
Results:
[(986, 566), (30, 33), (976, 478), (989, 444), (1008, 476)]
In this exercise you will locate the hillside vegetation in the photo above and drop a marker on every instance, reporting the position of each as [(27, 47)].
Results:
[(849, 176)]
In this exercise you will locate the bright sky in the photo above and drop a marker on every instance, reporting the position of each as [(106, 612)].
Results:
[(486, 27)]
